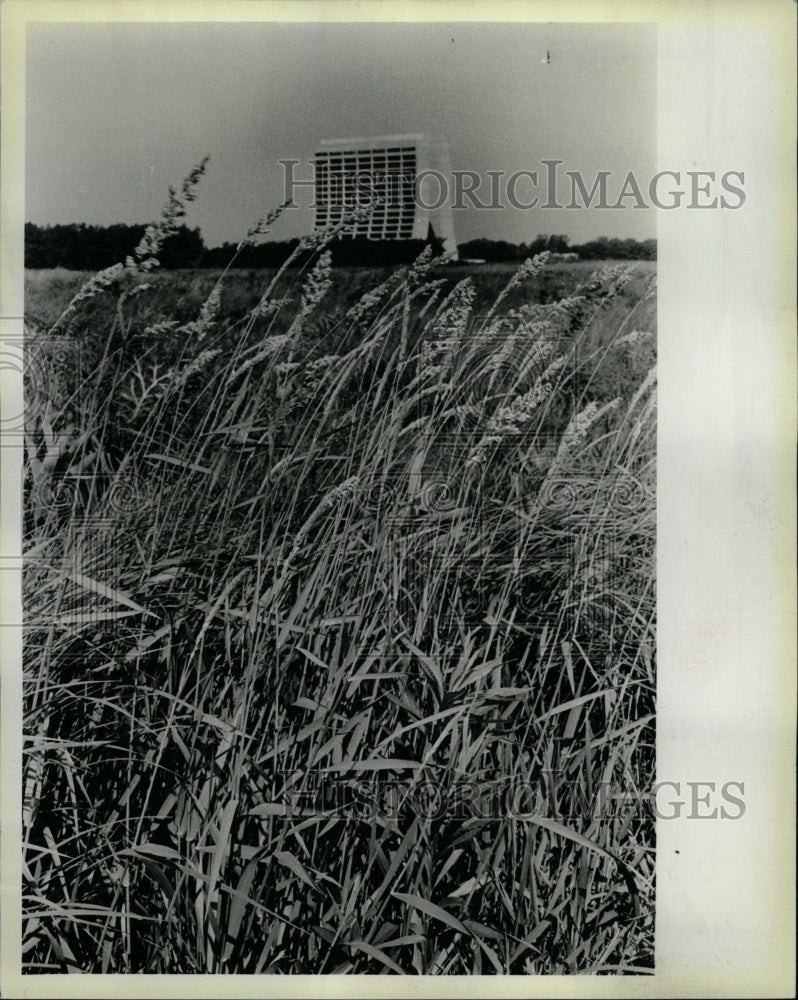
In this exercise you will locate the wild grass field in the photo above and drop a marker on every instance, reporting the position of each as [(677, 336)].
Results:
[(339, 619)]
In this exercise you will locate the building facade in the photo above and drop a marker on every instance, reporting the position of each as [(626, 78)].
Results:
[(406, 177)]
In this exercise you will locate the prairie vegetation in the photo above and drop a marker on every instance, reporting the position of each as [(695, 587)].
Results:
[(339, 597)]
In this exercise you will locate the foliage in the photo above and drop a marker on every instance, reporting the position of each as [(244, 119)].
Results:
[(81, 247), (293, 579), (89, 248), (600, 249)]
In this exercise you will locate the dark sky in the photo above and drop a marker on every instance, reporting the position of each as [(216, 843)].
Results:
[(116, 112)]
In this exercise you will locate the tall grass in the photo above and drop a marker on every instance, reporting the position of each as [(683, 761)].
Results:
[(340, 633)]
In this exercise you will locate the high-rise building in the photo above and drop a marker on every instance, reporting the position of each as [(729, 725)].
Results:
[(408, 176)]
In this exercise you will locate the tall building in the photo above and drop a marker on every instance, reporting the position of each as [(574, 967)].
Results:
[(410, 175)]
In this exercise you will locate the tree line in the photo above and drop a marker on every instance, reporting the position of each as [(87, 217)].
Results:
[(82, 247), (602, 248)]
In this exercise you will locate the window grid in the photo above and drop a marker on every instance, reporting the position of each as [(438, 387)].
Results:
[(344, 179)]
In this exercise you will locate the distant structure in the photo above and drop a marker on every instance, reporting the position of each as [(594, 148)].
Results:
[(409, 174)]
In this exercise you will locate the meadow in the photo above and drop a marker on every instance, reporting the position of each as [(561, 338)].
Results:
[(339, 592)]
